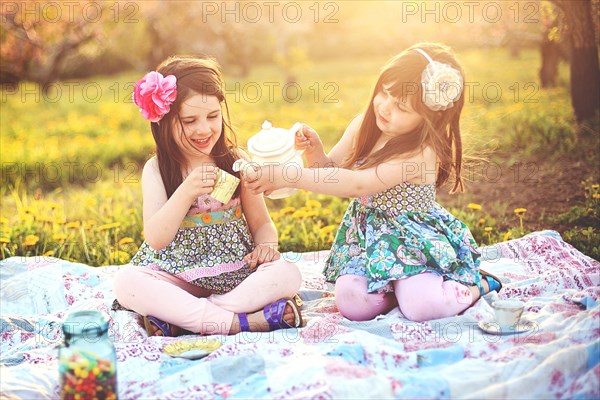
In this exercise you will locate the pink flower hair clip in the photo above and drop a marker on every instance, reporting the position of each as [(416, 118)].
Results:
[(154, 94)]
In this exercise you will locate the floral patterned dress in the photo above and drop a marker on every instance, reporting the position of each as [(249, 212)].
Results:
[(398, 233), (208, 248)]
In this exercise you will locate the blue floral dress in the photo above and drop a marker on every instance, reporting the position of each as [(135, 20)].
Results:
[(398, 233), (208, 249)]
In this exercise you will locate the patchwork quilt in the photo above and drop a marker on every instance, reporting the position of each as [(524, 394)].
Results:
[(557, 354)]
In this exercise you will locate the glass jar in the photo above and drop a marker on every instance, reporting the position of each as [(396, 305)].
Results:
[(87, 359)]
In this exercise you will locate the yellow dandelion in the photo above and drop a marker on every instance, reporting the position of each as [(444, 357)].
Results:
[(506, 236), (474, 206), (125, 241), (596, 196), (89, 224), (44, 218), (29, 210), (90, 202), (120, 257), (327, 229), (53, 206), (488, 228), (326, 211), (274, 215), (481, 221), (299, 214), (4, 221), (313, 204), (595, 186), (59, 236), (106, 227), (520, 213), (49, 253), (4, 239), (73, 225), (30, 240), (287, 210), (60, 220)]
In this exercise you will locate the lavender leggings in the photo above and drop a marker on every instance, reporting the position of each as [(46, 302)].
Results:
[(420, 298), (163, 295)]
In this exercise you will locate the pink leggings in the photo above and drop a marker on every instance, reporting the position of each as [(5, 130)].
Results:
[(420, 298), (164, 296)]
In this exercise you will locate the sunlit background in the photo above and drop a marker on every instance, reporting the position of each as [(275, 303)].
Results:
[(55, 40)]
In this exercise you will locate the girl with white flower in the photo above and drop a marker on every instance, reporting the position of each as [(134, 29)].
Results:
[(210, 263), (413, 253)]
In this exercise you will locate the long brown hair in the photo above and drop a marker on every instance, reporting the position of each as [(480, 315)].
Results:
[(195, 75), (440, 129)]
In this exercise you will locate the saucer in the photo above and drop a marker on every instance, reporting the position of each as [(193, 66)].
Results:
[(191, 349), (492, 327)]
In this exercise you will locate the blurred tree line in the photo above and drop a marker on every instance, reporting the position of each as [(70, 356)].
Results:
[(47, 41)]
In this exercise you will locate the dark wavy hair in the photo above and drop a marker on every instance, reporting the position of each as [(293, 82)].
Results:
[(440, 129), (195, 76)]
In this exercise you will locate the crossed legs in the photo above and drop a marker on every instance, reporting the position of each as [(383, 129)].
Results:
[(164, 296)]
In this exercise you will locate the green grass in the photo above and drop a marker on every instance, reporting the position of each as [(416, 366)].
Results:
[(584, 220)]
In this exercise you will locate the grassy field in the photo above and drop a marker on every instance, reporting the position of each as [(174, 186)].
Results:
[(71, 158)]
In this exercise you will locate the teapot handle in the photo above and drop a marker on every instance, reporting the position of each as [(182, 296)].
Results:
[(295, 128)]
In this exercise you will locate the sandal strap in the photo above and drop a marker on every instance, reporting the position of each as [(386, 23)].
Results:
[(162, 326), (244, 325), (274, 315), (493, 282), (480, 287)]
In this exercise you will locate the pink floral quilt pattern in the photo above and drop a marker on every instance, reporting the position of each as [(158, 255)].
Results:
[(330, 357)]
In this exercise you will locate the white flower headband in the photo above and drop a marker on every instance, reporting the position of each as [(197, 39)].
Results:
[(442, 84)]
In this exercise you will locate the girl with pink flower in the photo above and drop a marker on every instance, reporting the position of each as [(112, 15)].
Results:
[(209, 265), (396, 246)]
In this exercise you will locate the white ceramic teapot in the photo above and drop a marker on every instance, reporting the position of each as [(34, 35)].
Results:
[(275, 146)]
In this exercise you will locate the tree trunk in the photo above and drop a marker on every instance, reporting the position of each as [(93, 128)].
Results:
[(550, 60), (585, 71)]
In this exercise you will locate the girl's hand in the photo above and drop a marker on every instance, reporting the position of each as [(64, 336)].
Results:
[(262, 253), (308, 139), (263, 179), (200, 181)]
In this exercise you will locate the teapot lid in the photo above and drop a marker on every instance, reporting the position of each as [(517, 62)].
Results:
[(271, 141)]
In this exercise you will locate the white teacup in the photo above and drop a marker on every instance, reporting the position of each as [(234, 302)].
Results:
[(508, 312)]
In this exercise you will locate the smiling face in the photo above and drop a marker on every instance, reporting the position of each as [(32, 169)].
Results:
[(199, 127), (395, 116)]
